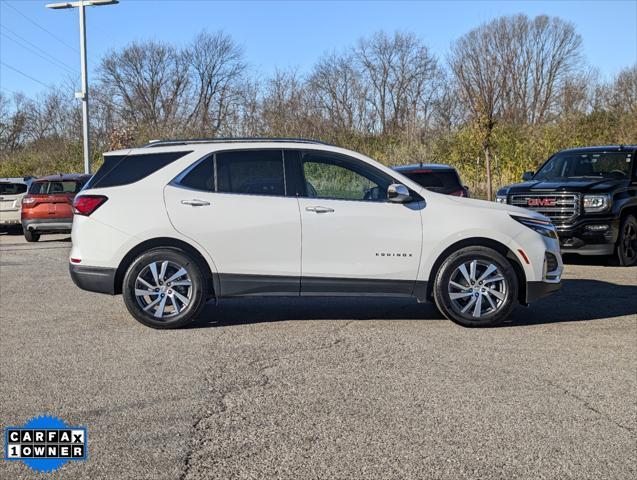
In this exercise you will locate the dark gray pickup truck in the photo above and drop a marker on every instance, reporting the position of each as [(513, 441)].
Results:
[(590, 194)]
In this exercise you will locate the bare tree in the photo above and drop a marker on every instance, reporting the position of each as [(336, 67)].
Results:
[(216, 69), (246, 119), (621, 94), (576, 94), (541, 59), (399, 74), (514, 69), (148, 82), (49, 115), (480, 74), (447, 109), (13, 120), (284, 106), (337, 93)]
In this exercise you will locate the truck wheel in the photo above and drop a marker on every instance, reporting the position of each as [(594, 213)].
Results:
[(476, 287), (627, 242), (31, 236), (164, 288)]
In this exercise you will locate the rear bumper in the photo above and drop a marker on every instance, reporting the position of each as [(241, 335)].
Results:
[(10, 217), (62, 225), (537, 290), (93, 279)]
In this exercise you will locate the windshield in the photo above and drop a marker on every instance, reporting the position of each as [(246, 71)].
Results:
[(614, 165)]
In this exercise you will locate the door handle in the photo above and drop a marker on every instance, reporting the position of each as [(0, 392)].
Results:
[(319, 209), (195, 202)]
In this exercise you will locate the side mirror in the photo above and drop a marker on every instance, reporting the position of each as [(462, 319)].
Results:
[(398, 193), (526, 176)]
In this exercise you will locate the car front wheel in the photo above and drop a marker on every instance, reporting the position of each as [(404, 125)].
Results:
[(627, 242), (164, 288), (476, 287)]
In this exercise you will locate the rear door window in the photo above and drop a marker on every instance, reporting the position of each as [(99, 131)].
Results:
[(200, 177), (252, 172), (12, 188), (125, 169)]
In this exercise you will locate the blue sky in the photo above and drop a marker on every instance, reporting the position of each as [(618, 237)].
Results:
[(43, 43)]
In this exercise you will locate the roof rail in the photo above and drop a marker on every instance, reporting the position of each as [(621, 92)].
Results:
[(187, 141)]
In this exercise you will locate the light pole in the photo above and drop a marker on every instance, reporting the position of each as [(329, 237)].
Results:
[(83, 95)]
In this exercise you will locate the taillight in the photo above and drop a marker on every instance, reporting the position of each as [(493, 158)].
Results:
[(28, 201), (87, 204)]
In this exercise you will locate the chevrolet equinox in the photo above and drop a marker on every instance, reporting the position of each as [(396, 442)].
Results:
[(176, 223)]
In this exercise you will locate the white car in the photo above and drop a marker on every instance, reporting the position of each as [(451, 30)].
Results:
[(12, 190), (176, 223)]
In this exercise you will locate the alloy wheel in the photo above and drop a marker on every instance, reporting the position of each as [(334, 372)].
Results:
[(477, 288), (163, 289)]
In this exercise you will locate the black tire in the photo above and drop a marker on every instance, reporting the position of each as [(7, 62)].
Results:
[(506, 289), (195, 293), (626, 249), (31, 236)]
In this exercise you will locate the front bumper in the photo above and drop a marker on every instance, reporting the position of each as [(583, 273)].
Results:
[(551, 278), (537, 290), (580, 239), (93, 279), (58, 225)]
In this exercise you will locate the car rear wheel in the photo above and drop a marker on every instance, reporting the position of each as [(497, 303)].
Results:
[(164, 288), (31, 236), (476, 287), (627, 242)]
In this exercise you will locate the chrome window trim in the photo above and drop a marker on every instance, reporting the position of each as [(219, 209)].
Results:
[(568, 204)]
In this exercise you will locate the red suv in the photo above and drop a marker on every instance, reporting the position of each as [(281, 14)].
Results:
[(47, 207)]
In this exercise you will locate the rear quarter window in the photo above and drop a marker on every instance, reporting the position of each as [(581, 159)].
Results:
[(125, 169), (201, 176), (251, 172)]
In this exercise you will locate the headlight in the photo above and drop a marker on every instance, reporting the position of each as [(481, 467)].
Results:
[(596, 203), (542, 227), (501, 199)]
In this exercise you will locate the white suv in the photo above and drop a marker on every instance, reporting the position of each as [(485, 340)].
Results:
[(12, 191), (175, 223)]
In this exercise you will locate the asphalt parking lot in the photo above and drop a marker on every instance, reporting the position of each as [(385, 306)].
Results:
[(323, 388)]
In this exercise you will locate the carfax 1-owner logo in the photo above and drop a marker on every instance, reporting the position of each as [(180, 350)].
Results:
[(45, 443)]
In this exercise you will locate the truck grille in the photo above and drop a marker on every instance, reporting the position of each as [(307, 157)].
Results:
[(559, 207)]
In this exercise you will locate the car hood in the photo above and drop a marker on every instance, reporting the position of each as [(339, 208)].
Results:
[(469, 203), (596, 185)]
